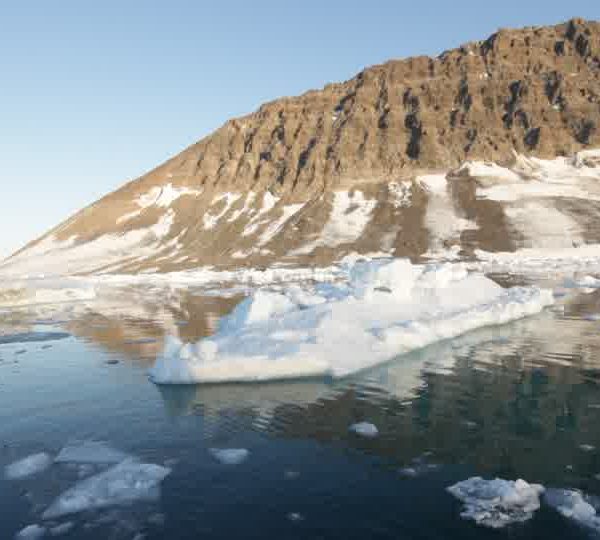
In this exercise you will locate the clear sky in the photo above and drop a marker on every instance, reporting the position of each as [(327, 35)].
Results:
[(93, 94)]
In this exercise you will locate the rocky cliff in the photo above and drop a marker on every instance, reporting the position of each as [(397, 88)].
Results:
[(392, 160)]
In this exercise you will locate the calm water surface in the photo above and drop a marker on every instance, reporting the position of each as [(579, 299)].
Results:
[(517, 401)]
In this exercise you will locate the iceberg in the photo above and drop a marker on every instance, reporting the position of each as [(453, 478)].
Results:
[(575, 506), (497, 503), (124, 483), (387, 308)]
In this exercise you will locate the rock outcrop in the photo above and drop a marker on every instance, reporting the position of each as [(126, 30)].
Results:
[(335, 170)]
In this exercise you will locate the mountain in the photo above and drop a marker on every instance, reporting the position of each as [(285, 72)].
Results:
[(489, 146)]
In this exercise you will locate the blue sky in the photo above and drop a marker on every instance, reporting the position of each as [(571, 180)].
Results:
[(93, 94)]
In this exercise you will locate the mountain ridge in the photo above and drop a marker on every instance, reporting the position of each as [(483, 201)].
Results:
[(535, 91)]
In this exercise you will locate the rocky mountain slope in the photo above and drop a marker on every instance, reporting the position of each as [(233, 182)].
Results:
[(422, 157)]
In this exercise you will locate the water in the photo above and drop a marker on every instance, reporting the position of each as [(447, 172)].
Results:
[(518, 401)]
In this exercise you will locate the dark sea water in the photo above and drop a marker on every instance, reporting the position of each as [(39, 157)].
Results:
[(516, 401)]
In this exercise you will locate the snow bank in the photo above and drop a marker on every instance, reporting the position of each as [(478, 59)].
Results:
[(23, 293), (124, 483), (574, 505), (29, 466), (388, 308), (574, 177), (350, 215), (533, 261), (442, 220), (497, 503)]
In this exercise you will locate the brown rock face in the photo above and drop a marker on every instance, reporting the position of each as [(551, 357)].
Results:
[(534, 90)]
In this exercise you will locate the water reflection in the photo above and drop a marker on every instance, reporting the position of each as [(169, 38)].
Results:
[(516, 400), (521, 400)]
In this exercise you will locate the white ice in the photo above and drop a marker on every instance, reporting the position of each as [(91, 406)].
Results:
[(365, 429), (230, 456), (387, 309), (29, 466), (124, 483), (31, 532), (61, 529), (497, 503), (90, 452), (573, 505)]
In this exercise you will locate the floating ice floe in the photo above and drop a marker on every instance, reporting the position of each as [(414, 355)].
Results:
[(90, 452), (124, 483), (497, 503), (31, 532), (587, 447), (29, 466), (61, 529), (365, 429), (387, 309), (419, 469), (574, 505), (230, 456)]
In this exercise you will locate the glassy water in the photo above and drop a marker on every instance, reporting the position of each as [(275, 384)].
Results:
[(517, 401)]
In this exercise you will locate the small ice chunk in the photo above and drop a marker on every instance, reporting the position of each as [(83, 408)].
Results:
[(61, 529), (573, 505), (31, 532), (124, 483), (29, 466), (587, 447), (365, 429), (497, 503), (295, 516), (90, 452), (230, 456), (419, 469)]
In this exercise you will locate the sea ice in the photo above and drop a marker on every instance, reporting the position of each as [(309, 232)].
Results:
[(388, 308), (90, 452), (125, 483), (61, 529), (573, 505), (29, 466), (419, 469), (365, 429), (497, 503), (230, 456), (31, 532)]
